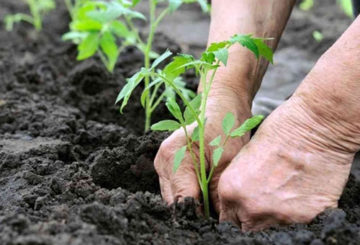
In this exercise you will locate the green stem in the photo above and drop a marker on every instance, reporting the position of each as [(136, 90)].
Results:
[(36, 15), (204, 179), (134, 30), (178, 92), (189, 146), (154, 22), (161, 97), (152, 8), (203, 183)]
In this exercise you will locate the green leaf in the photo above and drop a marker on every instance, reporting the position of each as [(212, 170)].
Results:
[(179, 156), (161, 58), (318, 36), (216, 141), (217, 156), (264, 50), (208, 57), (306, 4), (195, 134), (347, 6), (119, 28), (126, 91), (166, 125), (222, 55), (247, 126), (110, 49), (74, 36), (228, 123), (246, 41), (204, 5), (86, 25), (177, 66), (217, 45), (88, 46), (174, 109), (174, 5), (195, 104)]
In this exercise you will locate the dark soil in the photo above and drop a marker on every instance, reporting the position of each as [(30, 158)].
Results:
[(75, 171)]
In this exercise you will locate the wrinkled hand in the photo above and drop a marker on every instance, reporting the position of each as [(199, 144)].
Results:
[(286, 173), (183, 183)]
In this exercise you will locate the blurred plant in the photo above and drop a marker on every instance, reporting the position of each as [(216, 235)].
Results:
[(346, 6), (37, 8), (96, 28), (306, 4), (99, 27), (318, 36), (194, 111)]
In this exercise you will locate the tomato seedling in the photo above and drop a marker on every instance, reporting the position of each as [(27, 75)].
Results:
[(194, 111), (37, 8), (96, 28)]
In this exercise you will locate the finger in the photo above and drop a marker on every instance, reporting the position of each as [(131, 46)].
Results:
[(229, 214), (165, 188), (184, 182), (214, 186)]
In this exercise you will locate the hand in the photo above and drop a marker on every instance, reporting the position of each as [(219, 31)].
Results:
[(294, 168), (183, 183)]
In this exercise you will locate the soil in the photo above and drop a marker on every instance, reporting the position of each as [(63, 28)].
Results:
[(75, 171)]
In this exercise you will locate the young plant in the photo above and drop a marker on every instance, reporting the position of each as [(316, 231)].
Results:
[(38, 8), (150, 98), (96, 28), (194, 111)]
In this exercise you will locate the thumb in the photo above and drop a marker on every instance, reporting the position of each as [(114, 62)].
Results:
[(184, 182), (175, 186)]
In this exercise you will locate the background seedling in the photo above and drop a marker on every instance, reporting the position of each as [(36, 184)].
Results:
[(148, 98), (37, 8), (194, 111), (98, 27)]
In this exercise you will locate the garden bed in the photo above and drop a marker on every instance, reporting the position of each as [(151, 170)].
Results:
[(75, 171)]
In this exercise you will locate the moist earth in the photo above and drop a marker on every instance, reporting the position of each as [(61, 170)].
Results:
[(75, 171)]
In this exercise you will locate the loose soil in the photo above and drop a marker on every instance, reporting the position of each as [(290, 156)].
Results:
[(75, 171)]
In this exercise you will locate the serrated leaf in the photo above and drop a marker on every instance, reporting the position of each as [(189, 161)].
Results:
[(179, 156), (216, 46), (74, 36), (216, 141), (88, 46), (166, 125), (217, 156), (247, 126), (161, 58), (110, 49), (178, 66), (208, 57), (195, 104), (228, 123), (264, 50), (174, 109), (222, 55), (126, 91), (246, 41), (195, 134)]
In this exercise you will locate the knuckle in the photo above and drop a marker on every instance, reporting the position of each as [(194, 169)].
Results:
[(228, 189)]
